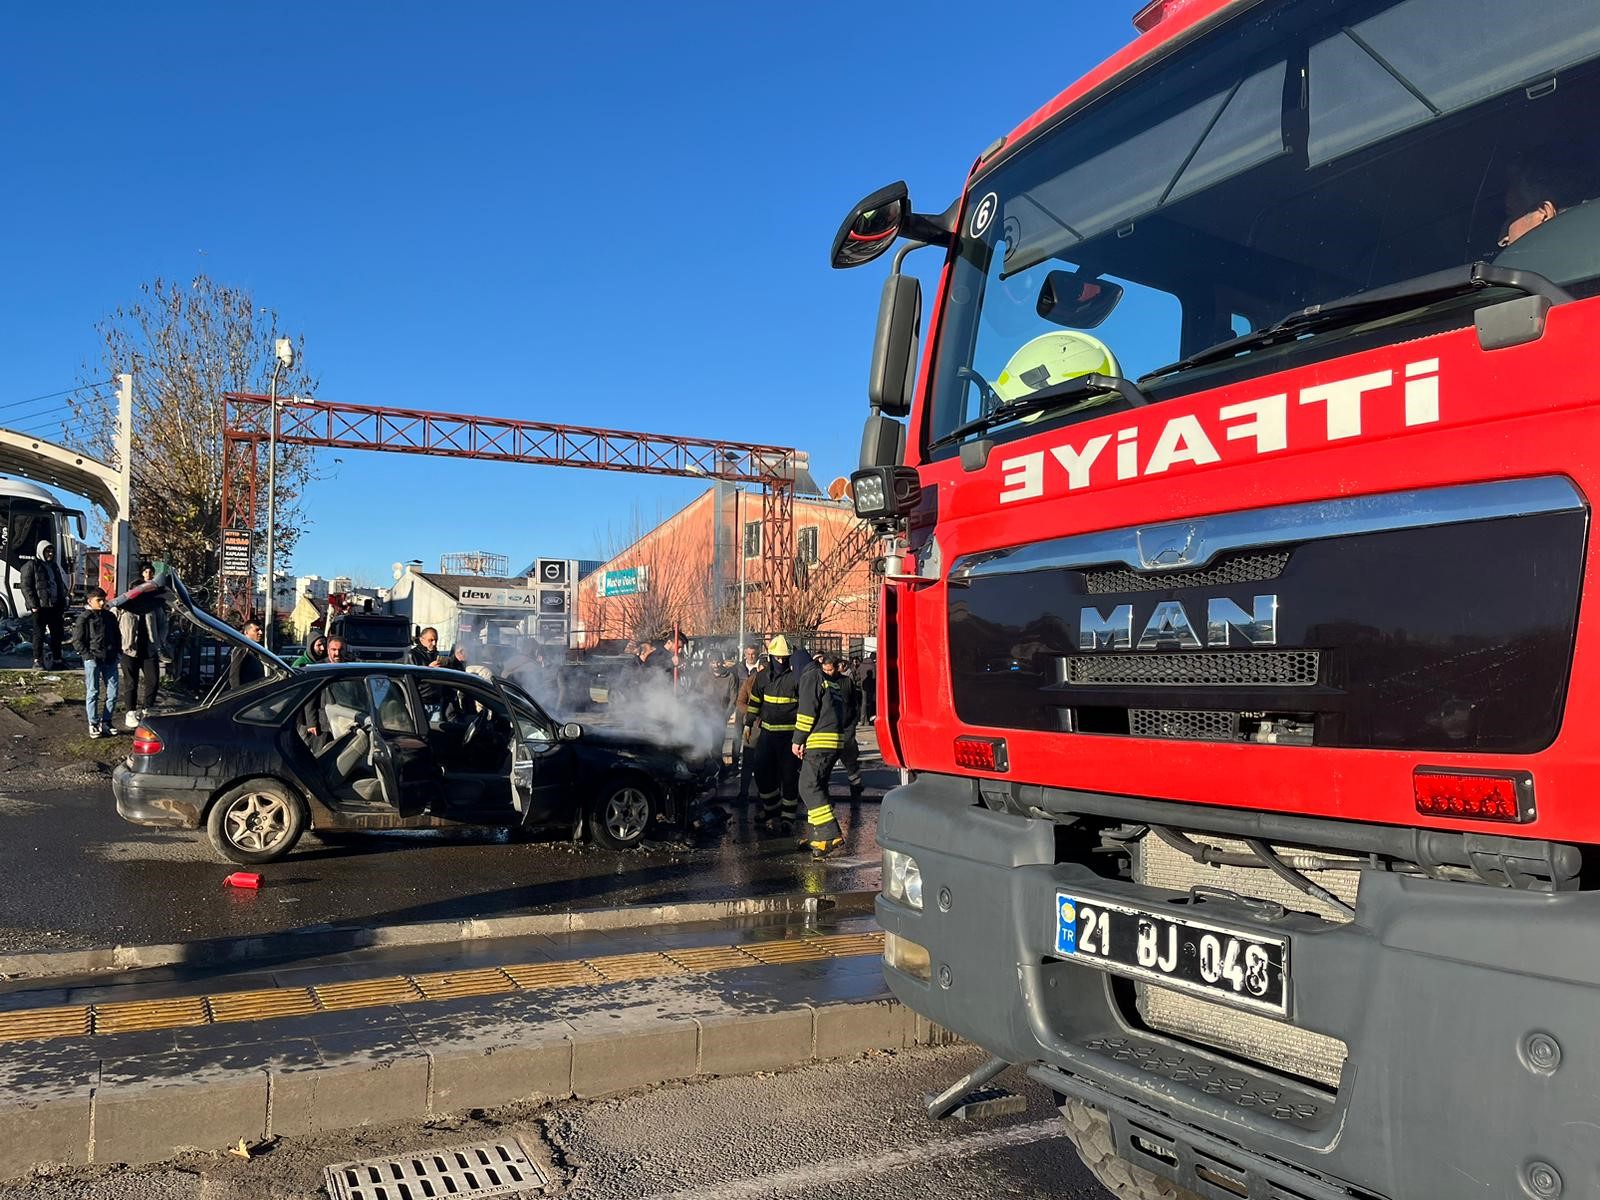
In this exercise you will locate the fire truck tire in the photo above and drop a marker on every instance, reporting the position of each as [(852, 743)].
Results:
[(1090, 1134)]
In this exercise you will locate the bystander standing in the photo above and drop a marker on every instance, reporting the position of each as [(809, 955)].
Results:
[(99, 641), (44, 587)]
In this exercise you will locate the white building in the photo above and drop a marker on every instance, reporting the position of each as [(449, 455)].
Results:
[(314, 586)]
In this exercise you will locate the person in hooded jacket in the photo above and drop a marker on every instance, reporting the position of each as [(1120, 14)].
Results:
[(44, 588)]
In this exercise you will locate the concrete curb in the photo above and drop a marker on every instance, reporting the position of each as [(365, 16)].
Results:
[(335, 939), (133, 1121)]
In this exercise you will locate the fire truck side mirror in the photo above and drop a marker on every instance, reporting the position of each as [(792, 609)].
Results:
[(871, 227), (883, 442), (894, 347)]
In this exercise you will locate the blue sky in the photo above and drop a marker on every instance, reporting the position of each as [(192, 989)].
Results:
[(600, 214)]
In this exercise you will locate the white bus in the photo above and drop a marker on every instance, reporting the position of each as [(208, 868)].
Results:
[(30, 515)]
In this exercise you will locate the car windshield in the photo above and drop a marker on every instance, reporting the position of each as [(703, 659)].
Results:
[(1299, 155)]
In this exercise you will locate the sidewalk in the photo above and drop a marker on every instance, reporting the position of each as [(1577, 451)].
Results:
[(138, 1067)]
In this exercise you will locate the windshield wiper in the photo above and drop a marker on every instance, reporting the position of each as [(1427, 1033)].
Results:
[(1391, 298), (1081, 388)]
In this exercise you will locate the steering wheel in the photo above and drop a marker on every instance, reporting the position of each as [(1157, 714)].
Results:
[(988, 398)]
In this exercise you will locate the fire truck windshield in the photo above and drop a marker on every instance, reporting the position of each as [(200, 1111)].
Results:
[(1299, 155)]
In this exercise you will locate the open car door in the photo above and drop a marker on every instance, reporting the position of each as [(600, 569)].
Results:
[(544, 768), (408, 776)]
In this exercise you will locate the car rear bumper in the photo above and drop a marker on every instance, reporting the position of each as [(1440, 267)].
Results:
[(1468, 1013), (169, 801)]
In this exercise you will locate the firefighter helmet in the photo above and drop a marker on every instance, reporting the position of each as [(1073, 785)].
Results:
[(778, 647), (1053, 358)]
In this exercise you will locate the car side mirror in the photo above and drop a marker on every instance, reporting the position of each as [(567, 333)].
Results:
[(571, 731)]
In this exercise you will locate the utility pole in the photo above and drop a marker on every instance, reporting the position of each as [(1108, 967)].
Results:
[(283, 358), (122, 528)]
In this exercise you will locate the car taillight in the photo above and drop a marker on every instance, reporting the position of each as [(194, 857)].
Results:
[(982, 754), (146, 741), (1474, 796)]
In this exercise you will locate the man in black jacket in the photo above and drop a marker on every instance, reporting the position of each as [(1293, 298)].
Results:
[(44, 587), (98, 639), (244, 667), (837, 676)]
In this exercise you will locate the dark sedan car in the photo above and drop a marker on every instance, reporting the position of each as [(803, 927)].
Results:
[(354, 746)]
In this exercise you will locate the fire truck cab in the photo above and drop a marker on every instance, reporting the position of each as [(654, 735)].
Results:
[(1235, 501)]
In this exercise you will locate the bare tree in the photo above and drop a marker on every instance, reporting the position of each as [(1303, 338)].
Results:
[(187, 344), (679, 587)]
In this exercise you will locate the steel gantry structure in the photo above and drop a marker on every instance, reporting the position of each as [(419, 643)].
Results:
[(247, 424)]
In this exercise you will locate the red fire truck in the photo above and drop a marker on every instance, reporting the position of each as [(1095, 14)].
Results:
[(1233, 647)]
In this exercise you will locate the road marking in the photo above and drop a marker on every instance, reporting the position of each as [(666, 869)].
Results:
[(846, 1170), (126, 1016)]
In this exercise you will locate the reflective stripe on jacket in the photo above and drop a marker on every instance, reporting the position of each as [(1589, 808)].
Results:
[(820, 722), (772, 701)]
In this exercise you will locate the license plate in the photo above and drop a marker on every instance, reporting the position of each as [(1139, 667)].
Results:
[(1247, 970)]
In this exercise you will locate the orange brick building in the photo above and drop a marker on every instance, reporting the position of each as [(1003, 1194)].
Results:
[(687, 572)]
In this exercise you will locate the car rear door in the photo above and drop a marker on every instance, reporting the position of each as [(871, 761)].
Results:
[(408, 776)]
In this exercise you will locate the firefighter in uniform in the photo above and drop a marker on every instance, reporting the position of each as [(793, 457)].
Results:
[(818, 733), (774, 696), (838, 678)]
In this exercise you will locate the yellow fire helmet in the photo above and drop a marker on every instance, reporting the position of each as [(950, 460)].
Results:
[(1053, 358), (778, 647)]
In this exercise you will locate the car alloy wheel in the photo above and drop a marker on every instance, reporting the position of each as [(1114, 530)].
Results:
[(627, 813), (256, 822)]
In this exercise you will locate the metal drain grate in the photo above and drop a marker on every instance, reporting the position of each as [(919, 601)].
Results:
[(500, 1168)]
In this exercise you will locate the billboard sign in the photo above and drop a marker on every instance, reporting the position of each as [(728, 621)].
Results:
[(487, 597), (552, 601), (552, 570), (238, 547), (552, 629), (628, 581)]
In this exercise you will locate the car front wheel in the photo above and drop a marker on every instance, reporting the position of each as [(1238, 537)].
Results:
[(622, 814), (256, 822)]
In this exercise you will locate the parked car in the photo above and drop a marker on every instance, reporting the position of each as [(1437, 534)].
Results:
[(379, 745)]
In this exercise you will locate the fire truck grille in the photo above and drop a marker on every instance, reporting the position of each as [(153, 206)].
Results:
[(1263, 1041), (1239, 668), (1237, 568), (1187, 726)]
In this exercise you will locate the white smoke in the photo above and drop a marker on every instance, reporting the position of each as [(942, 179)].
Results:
[(682, 716)]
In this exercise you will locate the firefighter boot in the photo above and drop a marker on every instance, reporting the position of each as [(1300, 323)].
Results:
[(823, 834)]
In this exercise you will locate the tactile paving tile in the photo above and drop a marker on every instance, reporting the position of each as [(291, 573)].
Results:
[(261, 1005), (366, 993), (849, 945), (701, 959), (131, 1015), (647, 965), (777, 953), (31, 1023), (550, 974), (450, 985)]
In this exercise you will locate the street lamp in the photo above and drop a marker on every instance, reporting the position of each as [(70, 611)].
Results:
[(283, 360)]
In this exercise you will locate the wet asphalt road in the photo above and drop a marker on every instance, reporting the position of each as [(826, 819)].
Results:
[(73, 875), (834, 1131)]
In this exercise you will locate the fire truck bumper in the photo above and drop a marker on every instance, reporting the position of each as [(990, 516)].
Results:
[(1466, 1018)]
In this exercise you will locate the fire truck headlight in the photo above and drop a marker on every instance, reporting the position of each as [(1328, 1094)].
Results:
[(902, 878), (871, 497)]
